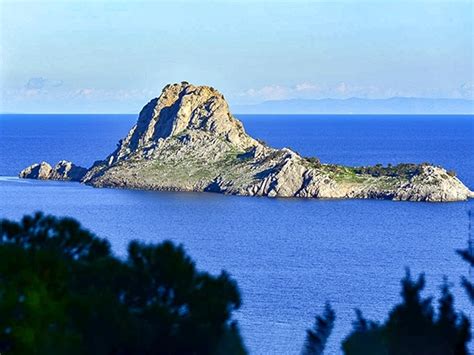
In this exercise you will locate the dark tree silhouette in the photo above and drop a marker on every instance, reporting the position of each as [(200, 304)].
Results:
[(412, 326), (317, 336), (63, 292), (468, 256)]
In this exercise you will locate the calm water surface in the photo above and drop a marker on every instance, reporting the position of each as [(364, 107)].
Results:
[(289, 256)]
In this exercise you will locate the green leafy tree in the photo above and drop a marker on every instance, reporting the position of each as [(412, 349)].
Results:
[(37, 258), (63, 292)]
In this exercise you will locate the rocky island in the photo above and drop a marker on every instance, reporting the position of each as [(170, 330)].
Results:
[(187, 140)]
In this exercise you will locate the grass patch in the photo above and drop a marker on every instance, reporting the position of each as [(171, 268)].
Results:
[(342, 173), (385, 176)]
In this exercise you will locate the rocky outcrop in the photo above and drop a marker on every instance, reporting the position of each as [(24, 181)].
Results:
[(41, 171), (433, 184), (64, 170), (187, 140)]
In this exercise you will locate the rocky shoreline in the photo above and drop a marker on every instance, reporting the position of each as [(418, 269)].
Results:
[(187, 140)]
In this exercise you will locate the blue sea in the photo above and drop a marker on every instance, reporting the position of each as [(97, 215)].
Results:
[(289, 256)]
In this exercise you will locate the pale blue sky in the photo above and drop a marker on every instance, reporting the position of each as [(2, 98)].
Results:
[(113, 56)]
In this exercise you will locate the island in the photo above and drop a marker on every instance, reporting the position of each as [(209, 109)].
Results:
[(187, 140)]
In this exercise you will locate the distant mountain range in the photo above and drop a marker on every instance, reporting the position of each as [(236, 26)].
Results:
[(395, 105)]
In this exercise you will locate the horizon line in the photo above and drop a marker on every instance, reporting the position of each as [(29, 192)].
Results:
[(366, 98), (248, 114)]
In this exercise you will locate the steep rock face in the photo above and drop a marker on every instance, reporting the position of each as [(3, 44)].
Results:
[(187, 140), (182, 107), (64, 170)]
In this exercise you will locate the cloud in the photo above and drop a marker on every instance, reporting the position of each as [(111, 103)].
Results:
[(86, 92), (35, 83), (41, 88), (466, 91), (342, 89), (282, 92), (306, 87), (269, 92), (39, 83), (87, 99), (309, 90), (118, 95)]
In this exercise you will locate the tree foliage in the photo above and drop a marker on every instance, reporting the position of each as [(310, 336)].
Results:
[(317, 336), (63, 292), (413, 327), (405, 170), (468, 255)]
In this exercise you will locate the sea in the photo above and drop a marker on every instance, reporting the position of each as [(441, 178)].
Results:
[(289, 256)]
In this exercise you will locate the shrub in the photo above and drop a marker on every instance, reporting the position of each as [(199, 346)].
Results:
[(314, 161), (406, 170)]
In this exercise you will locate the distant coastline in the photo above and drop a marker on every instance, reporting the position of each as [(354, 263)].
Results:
[(395, 105), (327, 106)]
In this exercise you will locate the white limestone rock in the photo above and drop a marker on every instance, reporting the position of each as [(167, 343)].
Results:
[(39, 171)]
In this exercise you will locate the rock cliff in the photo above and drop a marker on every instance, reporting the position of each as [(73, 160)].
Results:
[(64, 170), (187, 140)]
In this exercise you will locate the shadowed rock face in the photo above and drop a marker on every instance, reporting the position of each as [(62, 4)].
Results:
[(64, 170), (187, 140)]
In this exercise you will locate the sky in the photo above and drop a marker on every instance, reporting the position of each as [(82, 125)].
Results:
[(114, 56)]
